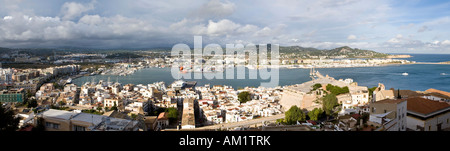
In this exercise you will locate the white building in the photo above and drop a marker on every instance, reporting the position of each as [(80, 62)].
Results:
[(427, 115), (388, 115)]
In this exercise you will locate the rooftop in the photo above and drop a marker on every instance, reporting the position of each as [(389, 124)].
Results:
[(52, 113), (425, 106), (434, 91), (88, 118), (163, 116), (391, 101)]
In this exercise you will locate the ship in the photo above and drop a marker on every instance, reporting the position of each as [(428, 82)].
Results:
[(405, 74)]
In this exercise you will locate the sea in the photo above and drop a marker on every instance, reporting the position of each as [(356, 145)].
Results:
[(420, 76)]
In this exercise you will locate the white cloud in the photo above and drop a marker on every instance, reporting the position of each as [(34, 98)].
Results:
[(71, 10), (351, 37), (445, 42), (223, 27)]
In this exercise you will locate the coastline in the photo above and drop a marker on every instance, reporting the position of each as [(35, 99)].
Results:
[(398, 56)]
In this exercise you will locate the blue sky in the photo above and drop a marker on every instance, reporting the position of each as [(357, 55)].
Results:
[(409, 26)]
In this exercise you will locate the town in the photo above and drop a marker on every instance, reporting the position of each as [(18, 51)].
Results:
[(34, 101)]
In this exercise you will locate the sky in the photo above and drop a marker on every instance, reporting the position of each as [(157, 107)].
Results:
[(389, 26)]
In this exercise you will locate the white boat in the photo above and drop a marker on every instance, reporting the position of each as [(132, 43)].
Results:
[(405, 74), (69, 80), (443, 74)]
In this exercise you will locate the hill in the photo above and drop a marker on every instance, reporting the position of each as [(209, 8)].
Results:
[(341, 52)]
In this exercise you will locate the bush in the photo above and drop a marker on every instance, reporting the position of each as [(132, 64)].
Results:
[(336, 90), (316, 86), (293, 115), (244, 97), (172, 114), (315, 114)]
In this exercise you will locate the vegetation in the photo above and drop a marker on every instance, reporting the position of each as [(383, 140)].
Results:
[(341, 51), (114, 107), (58, 107), (40, 125), (92, 111), (315, 114), (371, 90), (8, 122), (172, 114), (364, 117), (244, 97), (133, 116), (293, 115), (157, 111), (336, 90), (123, 55), (58, 86), (316, 86), (329, 101)]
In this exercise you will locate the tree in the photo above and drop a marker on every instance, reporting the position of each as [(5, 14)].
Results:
[(244, 97), (336, 90), (133, 116), (315, 114), (293, 115), (172, 114), (371, 90), (40, 125), (329, 101), (316, 86), (32, 103), (8, 122), (114, 107)]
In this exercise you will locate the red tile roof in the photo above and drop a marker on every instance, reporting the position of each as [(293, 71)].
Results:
[(163, 116), (438, 91), (425, 106)]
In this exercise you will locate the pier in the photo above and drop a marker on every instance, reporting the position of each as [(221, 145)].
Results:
[(315, 74)]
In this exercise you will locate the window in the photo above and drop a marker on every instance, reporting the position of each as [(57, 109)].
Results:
[(52, 125), (55, 126), (78, 128)]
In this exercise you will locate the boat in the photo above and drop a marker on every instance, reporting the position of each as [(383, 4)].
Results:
[(405, 74), (443, 74), (69, 81)]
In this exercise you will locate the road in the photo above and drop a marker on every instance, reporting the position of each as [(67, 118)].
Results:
[(243, 123)]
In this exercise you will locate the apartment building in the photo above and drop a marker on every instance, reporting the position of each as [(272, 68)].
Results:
[(59, 120), (388, 115), (427, 115)]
